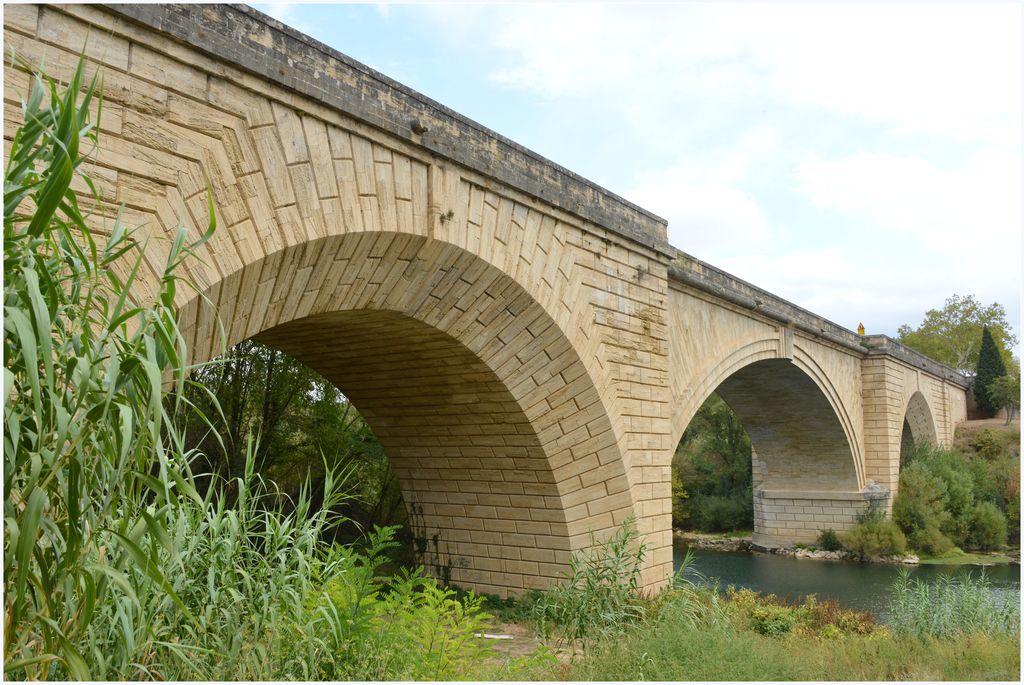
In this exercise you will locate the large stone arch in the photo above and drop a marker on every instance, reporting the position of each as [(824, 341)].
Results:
[(918, 424), (501, 443), (797, 436)]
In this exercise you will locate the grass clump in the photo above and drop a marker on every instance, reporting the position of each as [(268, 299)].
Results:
[(401, 627), (952, 606), (829, 541), (695, 634), (599, 599)]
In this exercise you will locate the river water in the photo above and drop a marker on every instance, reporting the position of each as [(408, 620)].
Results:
[(853, 585)]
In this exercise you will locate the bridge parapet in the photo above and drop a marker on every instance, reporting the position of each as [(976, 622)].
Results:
[(257, 43), (884, 345), (703, 276), (711, 279)]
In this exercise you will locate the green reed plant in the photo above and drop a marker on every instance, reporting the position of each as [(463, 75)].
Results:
[(115, 567), (92, 462), (244, 571), (953, 605), (600, 597)]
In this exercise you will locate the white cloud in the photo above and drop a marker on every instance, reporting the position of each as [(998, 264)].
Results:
[(703, 217), (952, 70), (847, 290), (703, 199), (955, 211), (282, 11)]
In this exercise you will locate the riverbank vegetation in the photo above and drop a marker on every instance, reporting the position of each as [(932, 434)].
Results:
[(951, 501), (955, 631), (712, 488)]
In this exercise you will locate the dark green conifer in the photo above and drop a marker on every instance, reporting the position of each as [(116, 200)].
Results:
[(990, 367)]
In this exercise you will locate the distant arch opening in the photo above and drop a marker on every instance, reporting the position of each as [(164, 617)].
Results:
[(780, 425), (918, 426)]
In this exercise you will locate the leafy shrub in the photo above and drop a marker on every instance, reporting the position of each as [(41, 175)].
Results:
[(828, 540), (874, 536), (988, 527), (405, 627), (940, 491), (931, 540), (920, 502), (679, 496), (767, 615), (599, 599), (992, 444), (772, 620), (952, 469), (713, 460), (715, 513), (951, 606)]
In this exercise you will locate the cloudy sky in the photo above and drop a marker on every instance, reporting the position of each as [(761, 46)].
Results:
[(860, 160)]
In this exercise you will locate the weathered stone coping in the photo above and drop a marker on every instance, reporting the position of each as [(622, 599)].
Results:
[(278, 53), (703, 276), (883, 344)]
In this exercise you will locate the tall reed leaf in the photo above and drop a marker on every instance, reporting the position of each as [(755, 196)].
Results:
[(83, 414)]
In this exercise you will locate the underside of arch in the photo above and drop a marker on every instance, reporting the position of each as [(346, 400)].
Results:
[(806, 474), (918, 424), (503, 449), (793, 428)]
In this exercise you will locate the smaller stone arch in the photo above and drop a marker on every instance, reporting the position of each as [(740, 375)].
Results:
[(806, 473), (918, 424)]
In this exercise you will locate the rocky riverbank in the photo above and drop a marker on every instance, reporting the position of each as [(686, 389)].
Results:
[(722, 543)]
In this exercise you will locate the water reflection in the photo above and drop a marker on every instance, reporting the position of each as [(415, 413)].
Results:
[(854, 585)]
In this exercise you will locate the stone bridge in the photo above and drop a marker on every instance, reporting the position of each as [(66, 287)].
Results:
[(525, 344)]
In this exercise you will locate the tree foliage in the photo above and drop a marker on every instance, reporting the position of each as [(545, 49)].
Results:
[(952, 335), (990, 367), (1004, 392), (713, 461), (305, 426)]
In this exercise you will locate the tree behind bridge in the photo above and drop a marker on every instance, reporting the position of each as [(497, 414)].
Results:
[(990, 367), (952, 335)]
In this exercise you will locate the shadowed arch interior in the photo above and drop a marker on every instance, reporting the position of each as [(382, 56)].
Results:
[(795, 433), (473, 472), (918, 425), (501, 443)]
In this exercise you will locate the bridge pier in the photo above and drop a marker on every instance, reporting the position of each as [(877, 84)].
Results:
[(783, 518)]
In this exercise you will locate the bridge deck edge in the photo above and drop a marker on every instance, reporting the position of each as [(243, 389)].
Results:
[(225, 32), (719, 283)]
